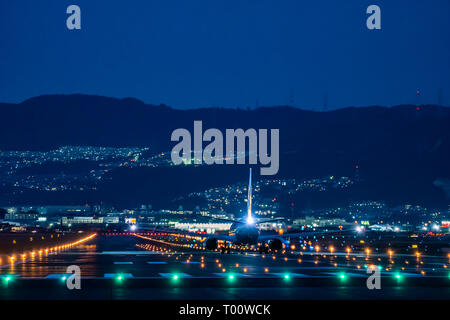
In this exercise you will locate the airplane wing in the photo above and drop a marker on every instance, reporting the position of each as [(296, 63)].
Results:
[(228, 220), (221, 237), (269, 220), (295, 235), (243, 222)]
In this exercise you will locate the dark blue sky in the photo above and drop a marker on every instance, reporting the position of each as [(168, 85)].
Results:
[(228, 53)]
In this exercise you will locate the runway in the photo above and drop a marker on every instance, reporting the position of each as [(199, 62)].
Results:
[(149, 271)]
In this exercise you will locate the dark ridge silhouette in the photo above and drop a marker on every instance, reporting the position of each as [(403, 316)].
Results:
[(401, 150)]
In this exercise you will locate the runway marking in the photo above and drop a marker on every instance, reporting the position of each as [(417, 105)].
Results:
[(226, 274), (157, 262), (191, 262), (123, 262), (11, 276), (114, 275), (347, 274), (406, 274), (56, 276), (309, 268), (291, 275), (180, 275), (127, 252)]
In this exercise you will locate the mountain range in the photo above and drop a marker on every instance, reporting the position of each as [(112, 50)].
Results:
[(403, 152)]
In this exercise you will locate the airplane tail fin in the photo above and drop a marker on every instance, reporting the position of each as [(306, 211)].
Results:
[(249, 199)]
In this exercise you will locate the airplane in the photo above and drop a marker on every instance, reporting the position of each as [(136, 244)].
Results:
[(246, 232)]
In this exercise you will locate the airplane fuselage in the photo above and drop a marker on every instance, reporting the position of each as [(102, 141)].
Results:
[(246, 234)]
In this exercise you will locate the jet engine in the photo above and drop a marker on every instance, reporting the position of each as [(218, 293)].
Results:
[(275, 244), (211, 244)]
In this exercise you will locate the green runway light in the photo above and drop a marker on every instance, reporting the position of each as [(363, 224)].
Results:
[(398, 276), (119, 278), (342, 276), (63, 278), (286, 277), (6, 280)]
